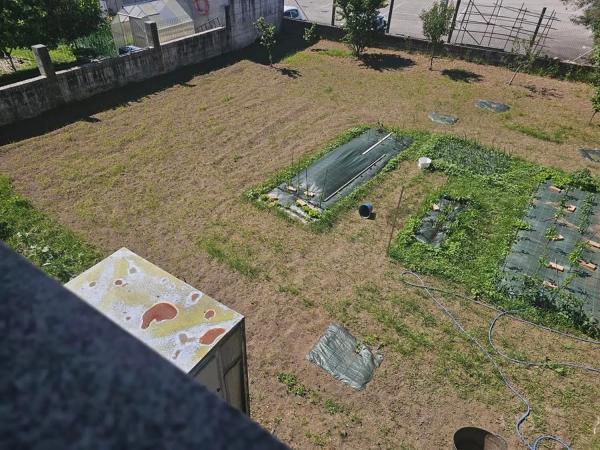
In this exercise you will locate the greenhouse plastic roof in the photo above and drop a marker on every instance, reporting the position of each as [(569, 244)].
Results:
[(168, 10)]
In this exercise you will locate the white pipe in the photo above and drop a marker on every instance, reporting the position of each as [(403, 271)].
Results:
[(376, 144)]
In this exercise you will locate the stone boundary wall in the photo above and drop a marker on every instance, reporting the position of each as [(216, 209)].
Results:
[(543, 65), (29, 98)]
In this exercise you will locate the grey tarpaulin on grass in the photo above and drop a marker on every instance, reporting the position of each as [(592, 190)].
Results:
[(442, 119), (531, 250), (340, 171), (340, 354), (593, 154), (492, 106), (436, 224)]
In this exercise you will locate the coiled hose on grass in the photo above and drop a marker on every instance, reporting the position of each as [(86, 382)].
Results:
[(501, 313)]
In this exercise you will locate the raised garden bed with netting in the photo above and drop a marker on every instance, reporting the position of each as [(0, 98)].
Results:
[(310, 189), (559, 245)]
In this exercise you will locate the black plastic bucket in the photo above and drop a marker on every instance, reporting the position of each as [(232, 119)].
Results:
[(472, 438), (365, 210)]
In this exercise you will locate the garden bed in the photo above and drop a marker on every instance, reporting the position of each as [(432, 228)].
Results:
[(558, 245), (471, 247), (308, 191)]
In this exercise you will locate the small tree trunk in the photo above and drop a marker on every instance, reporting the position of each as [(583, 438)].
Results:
[(514, 75), (592, 118), (431, 59), (11, 61)]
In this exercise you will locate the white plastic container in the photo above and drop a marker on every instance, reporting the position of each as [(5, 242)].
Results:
[(424, 162)]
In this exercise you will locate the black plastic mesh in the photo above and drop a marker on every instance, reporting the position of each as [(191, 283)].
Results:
[(342, 356), (442, 119), (492, 106), (343, 169), (593, 154), (436, 223), (532, 250)]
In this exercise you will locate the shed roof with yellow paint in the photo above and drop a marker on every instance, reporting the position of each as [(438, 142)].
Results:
[(179, 322)]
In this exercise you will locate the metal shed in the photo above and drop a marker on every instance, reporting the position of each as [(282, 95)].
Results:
[(199, 335)]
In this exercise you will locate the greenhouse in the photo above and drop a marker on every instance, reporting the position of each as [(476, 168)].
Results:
[(173, 19)]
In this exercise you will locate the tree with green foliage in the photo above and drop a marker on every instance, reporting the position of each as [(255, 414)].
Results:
[(359, 22), (24, 23), (266, 38), (590, 17), (436, 24), (525, 52)]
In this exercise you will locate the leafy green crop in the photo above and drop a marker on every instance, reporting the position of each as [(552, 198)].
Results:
[(498, 189)]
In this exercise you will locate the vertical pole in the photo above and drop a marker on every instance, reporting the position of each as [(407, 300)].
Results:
[(292, 168), (537, 28), (333, 13), (389, 24), (453, 20), (394, 222)]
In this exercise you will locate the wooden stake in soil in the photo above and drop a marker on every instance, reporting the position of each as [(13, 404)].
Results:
[(394, 221)]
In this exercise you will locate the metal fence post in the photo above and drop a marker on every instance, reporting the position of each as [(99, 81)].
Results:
[(453, 20), (537, 28), (333, 13), (389, 24)]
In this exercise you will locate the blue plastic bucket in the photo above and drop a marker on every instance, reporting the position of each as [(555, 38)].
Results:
[(365, 210)]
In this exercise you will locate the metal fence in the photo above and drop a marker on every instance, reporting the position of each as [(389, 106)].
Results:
[(501, 27)]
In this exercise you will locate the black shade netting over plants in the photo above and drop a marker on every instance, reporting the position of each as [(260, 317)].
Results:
[(552, 235), (341, 170), (436, 224)]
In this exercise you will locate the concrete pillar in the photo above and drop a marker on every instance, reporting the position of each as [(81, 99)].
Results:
[(44, 63), (228, 18), (152, 35)]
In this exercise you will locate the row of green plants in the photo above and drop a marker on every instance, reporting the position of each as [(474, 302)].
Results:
[(50, 246), (498, 189)]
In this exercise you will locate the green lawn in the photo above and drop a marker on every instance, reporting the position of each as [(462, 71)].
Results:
[(56, 250)]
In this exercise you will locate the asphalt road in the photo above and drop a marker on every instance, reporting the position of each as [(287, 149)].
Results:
[(567, 41)]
